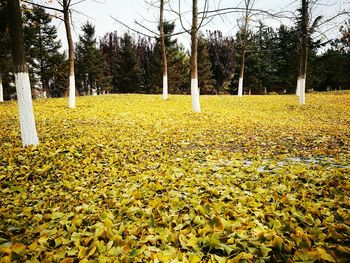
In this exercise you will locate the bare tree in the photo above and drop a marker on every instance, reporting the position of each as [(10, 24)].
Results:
[(1, 90), (195, 26), (67, 23), (66, 11), (161, 36), (308, 26), (25, 105), (194, 56), (243, 38), (164, 56)]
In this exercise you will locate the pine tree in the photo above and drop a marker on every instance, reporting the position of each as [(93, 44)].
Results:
[(110, 46), (42, 47), (91, 67), (206, 81), (5, 56), (129, 70), (178, 63)]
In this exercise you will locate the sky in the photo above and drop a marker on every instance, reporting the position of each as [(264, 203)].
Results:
[(100, 13)]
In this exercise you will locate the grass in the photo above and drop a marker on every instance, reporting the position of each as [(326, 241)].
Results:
[(132, 178)]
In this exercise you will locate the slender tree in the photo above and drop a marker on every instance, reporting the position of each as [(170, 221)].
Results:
[(4, 45), (1, 90), (304, 50), (244, 28), (25, 105), (194, 56), (164, 56), (67, 23), (66, 11)]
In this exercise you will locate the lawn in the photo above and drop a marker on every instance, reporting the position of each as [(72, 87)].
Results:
[(132, 178)]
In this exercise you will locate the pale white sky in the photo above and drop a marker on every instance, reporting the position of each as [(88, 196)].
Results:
[(99, 13)]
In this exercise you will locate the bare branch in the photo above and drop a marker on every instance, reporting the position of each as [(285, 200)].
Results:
[(131, 29)]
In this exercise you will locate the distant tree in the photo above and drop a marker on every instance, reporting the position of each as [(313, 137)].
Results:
[(5, 65), (129, 70), (178, 62), (25, 107), (147, 61), (243, 39), (91, 67), (42, 47), (164, 53), (285, 60), (206, 82), (333, 66), (222, 56), (110, 48)]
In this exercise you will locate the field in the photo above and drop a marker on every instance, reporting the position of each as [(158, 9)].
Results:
[(131, 178)]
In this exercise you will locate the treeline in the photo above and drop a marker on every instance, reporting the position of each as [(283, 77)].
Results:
[(130, 63)]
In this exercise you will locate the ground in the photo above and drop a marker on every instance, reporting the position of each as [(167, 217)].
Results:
[(132, 178)]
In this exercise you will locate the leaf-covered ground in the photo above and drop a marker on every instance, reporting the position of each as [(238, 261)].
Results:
[(131, 178)]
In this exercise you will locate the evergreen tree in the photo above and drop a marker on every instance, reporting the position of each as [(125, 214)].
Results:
[(110, 46), (285, 60), (146, 61), (91, 68), (42, 47), (129, 70), (178, 63), (5, 57), (206, 81)]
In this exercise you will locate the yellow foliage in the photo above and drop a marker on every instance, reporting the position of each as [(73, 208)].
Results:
[(133, 178)]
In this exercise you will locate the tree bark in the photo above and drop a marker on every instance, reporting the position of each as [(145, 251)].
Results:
[(164, 57), (71, 84), (1, 90), (304, 49), (194, 53), (25, 105), (244, 31), (241, 74)]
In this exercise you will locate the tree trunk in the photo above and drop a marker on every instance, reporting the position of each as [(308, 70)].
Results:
[(1, 90), (241, 75), (71, 85), (304, 49), (194, 54), (25, 106), (164, 58)]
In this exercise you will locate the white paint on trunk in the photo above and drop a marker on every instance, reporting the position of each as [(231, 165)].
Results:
[(1, 91), (302, 91), (240, 87), (195, 95), (71, 99), (25, 109), (45, 95), (165, 87), (298, 87)]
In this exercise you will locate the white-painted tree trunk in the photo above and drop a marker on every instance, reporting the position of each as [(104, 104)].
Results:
[(240, 87), (195, 95), (1, 91), (165, 87), (298, 87), (71, 99), (302, 90), (25, 108)]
